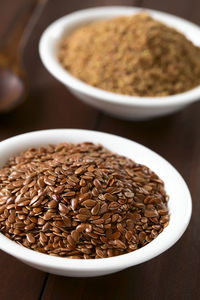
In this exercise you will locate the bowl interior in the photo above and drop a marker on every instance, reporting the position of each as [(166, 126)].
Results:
[(179, 203), (52, 36)]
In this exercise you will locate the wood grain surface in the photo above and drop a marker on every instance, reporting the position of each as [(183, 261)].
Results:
[(176, 273)]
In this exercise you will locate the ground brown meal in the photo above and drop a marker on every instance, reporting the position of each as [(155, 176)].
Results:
[(134, 55), (80, 201)]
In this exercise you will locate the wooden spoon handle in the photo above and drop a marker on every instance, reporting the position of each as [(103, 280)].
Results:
[(17, 39)]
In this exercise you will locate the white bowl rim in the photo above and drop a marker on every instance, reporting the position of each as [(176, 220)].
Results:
[(105, 264), (55, 68)]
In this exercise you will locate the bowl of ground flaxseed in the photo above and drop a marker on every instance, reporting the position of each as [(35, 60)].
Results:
[(85, 203), (128, 62)]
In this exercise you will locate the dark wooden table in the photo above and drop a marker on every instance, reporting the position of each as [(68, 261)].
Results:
[(176, 273)]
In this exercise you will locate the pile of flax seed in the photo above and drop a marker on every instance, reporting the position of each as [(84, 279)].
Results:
[(80, 201)]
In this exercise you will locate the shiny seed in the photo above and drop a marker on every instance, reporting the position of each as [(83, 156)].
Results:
[(95, 209), (41, 183), (88, 203), (103, 209), (81, 217), (85, 211), (67, 221), (115, 235), (24, 203), (113, 205), (30, 238), (79, 171), (59, 189), (110, 197), (142, 236), (74, 203), (63, 208), (48, 216), (82, 182), (120, 227), (151, 213), (43, 237), (71, 241), (81, 227), (48, 181), (84, 196), (11, 218), (115, 217), (99, 252), (35, 198), (97, 183), (119, 244), (75, 235), (29, 227)]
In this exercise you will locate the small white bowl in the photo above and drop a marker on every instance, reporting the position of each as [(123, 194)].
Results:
[(125, 107), (180, 204)]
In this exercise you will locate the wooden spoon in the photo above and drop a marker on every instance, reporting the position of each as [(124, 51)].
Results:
[(13, 84)]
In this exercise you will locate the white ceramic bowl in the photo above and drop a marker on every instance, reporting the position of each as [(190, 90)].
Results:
[(126, 107), (180, 204)]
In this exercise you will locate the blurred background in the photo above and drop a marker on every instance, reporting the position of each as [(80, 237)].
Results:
[(173, 275)]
